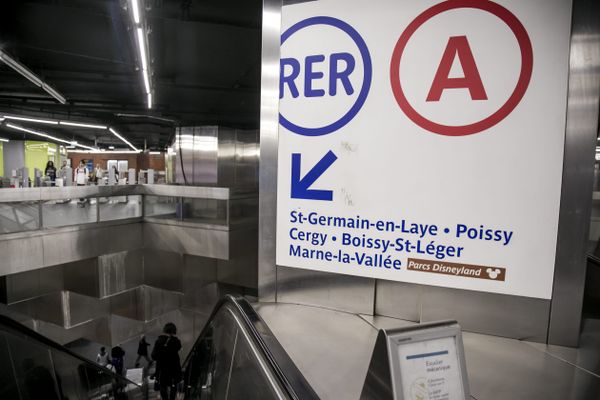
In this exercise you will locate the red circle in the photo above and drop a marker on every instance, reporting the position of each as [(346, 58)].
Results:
[(526, 67)]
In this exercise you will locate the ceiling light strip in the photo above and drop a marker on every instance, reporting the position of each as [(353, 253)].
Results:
[(53, 122), (136, 11), (142, 47), (123, 139), (82, 125), (33, 78), (45, 135), (27, 119)]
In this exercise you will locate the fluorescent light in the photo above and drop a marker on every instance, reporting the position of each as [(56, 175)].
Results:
[(33, 78), (20, 68), (111, 147), (4, 140), (61, 99), (140, 36), (123, 139), (146, 81), (81, 125), (154, 153), (37, 120), (95, 151), (45, 135), (53, 122), (136, 11), (149, 100)]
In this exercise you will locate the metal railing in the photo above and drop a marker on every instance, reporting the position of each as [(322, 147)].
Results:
[(34, 367), (32, 209), (237, 356)]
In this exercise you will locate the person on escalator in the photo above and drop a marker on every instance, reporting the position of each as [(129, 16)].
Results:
[(142, 352), (102, 358), (117, 354), (168, 366)]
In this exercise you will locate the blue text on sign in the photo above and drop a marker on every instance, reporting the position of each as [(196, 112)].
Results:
[(341, 66)]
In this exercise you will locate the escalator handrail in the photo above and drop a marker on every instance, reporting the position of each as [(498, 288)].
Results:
[(22, 329), (285, 370)]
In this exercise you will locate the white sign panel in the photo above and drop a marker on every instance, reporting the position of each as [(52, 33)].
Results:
[(430, 370), (422, 141)]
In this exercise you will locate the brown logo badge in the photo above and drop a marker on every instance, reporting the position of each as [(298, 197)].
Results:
[(456, 269)]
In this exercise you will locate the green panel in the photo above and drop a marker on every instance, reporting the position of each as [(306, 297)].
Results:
[(1, 159), (36, 156)]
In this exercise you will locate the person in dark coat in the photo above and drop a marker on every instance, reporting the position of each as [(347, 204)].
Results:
[(50, 172), (117, 354), (142, 352), (168, 366)]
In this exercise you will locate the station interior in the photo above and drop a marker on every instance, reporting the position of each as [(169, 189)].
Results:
[(161, 121)]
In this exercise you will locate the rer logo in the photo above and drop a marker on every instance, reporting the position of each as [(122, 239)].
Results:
[(322, 91), (451, 77)]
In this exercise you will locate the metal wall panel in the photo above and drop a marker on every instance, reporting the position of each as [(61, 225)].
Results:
[(82, 277), (578, 174), (78, 309), (120, 271), (14, 156), (199, 283), (71, 245), (269, 131), (128, 304), (186, 240), (226, 156), (30, 284), (163, 269), (122, 329), (206, 155), (511, 316), (21, 254), (95, 330), (184, 162), (340, 292), (246, 158), (158, 302), (240, 271), (399, 300)]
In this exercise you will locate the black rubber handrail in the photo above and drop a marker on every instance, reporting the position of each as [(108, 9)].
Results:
[(594, 259), (288, 375), (7, 322)]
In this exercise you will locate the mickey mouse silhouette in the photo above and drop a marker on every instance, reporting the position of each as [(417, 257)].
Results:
[(493, 273)]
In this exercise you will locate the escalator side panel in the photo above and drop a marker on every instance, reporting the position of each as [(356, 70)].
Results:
[(8, 381)]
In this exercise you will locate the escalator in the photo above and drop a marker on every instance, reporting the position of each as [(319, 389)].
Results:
[(235, 357), (32, 367)]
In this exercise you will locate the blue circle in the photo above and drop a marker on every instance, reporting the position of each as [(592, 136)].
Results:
[(368, 73)]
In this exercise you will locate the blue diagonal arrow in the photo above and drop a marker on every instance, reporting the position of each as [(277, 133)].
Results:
[(300, 187)]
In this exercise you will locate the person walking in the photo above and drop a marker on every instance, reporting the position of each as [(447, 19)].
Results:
[(50, 172), (168, 366), (102, 357), (117, 354), (81, 174), (142, 352)]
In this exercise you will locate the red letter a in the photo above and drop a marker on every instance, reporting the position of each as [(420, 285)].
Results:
[(457, 45)]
